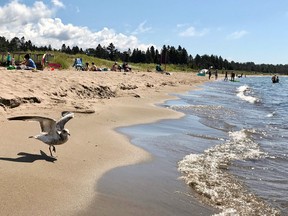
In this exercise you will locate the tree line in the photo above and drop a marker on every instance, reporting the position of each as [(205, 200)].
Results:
[(167, 55)]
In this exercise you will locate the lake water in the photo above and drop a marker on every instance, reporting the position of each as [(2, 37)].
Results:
[(243, 167), (230, 150)]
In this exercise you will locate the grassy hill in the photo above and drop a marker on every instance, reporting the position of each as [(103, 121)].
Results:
[(67, 61)]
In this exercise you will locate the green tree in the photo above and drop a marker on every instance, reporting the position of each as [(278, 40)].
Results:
[(3, 44), (173, 56), (63, 48), (197, 62), (112, 52), (68, 50), (75, 50), (23, 46), (101, 52), (29, 45), (164, 55), (14, 44), (153, 54), (183, 55), (149, 57)]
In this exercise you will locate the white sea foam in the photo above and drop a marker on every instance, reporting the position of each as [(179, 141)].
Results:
[(187, 107), (206, 174), (243, 92), (271, 114), (203, 110)]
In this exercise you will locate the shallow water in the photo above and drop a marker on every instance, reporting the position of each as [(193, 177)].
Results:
[(230, 149), (246, 172)]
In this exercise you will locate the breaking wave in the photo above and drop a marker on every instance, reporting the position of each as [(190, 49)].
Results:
[(207, 174), (243, 93)]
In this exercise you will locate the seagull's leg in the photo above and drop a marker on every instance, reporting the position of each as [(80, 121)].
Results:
[(50, 150), (54, 149)]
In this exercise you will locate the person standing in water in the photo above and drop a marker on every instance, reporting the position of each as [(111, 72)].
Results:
[(232, 76), (226, 76), (209, 73)]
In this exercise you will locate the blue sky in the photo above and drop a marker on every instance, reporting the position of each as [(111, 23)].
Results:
[(238, 30)]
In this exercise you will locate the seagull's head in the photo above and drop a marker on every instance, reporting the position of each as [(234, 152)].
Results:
[(65, 132)]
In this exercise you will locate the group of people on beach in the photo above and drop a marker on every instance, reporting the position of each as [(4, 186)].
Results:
[(233, 75), (210, 73), (86, 67), (115, 67), (275, 79), (93, 67), (78, 64), (125, 67), (26, 64)]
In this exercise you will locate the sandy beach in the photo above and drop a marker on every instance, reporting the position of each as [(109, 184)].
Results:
[(32, 183)]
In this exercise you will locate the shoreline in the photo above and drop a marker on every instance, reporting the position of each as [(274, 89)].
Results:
[(131, 189), (66, 186)]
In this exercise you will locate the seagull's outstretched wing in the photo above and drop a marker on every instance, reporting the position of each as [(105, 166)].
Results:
[(47, 125), (66, 117)]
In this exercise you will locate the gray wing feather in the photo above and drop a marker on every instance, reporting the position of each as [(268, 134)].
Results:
[(61, 123), (47, 125)]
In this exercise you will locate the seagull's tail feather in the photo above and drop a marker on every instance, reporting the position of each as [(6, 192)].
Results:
[(31, 137)]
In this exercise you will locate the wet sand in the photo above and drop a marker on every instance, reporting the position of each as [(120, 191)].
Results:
[(149, 188)]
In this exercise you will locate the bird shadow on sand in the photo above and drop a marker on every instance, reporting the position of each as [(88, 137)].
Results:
[(29, 158)]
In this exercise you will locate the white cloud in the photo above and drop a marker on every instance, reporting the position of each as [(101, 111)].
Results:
[(17, 14), (237, 35), (58, 3), (181, 25), (36, 23), (141, 28), (192, 32)]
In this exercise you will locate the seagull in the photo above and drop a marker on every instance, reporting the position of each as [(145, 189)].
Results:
[(52, 131)]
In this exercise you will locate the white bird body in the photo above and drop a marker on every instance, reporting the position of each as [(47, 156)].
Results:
[(51, 139), (52, 132)]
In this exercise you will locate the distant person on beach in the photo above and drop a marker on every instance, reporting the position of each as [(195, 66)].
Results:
[(115, 67), (93, 67), (232, 76), (209, 74), (126, 67), (87, 66), (226, 76), (78, 64), (29, 63), (13, 61), (9, 59), (216, 74), (158, 68)]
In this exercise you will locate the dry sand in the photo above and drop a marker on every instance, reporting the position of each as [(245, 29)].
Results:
[(33, 183)]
